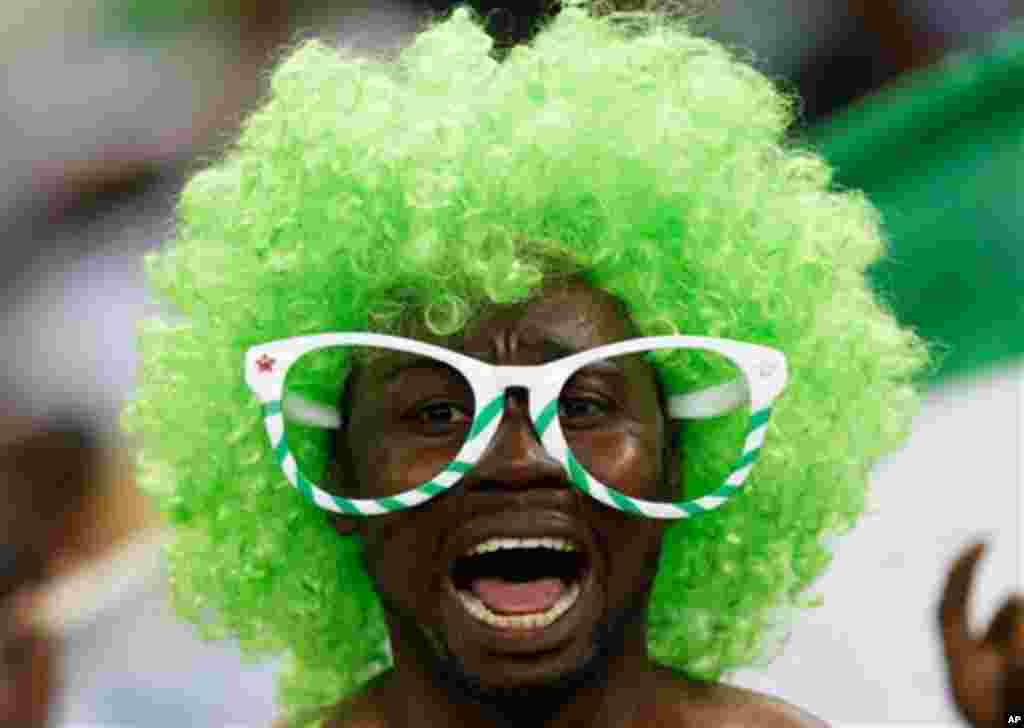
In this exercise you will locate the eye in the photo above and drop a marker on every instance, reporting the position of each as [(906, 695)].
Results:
[(580, 411), (441, 416)]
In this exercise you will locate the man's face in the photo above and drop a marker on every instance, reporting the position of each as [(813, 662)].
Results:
[(419, 559)]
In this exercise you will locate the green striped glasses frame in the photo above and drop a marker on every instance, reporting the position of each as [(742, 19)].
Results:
[(760, 378)]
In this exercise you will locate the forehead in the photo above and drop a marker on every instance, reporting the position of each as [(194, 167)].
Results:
[(575, 315), (560, 320)]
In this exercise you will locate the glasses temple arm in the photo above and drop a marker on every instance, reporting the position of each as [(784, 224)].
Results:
[(310, 412), (710, 402)]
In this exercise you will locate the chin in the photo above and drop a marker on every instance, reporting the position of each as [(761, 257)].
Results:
[(534, 684), (525, 685)]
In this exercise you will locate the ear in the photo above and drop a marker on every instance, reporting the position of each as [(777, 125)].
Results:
[(340, 476), (343, 525)]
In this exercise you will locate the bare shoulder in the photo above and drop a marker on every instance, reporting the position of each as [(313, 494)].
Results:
[(728, 706), (677, 702), (765, 710)]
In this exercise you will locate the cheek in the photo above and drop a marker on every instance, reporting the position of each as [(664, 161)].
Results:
[(629, 461), (401, 549), (402, 556), (386, 467), (633, 543), (633, 547)]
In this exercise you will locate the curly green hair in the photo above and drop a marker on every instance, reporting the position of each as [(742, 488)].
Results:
[(647, 161)]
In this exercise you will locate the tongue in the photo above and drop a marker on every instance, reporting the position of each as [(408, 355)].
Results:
[(518, 597)]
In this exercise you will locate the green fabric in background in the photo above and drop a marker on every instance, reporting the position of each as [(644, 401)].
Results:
[(165, 16), (941, 153), (162, 17)]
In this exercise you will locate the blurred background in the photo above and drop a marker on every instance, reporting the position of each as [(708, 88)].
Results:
[(109, 104)]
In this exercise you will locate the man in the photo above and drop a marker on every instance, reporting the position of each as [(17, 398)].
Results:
[(570, 485), (588, 667)]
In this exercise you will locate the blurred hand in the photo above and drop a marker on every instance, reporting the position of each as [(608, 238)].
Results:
[(26, 673), (986, 673)]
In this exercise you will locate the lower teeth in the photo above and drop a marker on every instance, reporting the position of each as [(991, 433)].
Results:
[(522, 621)]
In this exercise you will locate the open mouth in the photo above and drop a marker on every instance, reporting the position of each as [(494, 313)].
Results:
[(519, 583)]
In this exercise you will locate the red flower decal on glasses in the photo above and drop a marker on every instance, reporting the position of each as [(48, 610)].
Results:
[(264, 364)]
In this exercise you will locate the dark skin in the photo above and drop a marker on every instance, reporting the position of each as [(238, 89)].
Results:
[(27, 671), (590, 667), (43, 477), (986, 672)]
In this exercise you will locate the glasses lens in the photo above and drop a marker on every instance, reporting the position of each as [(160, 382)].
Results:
[(402, 419), (608, 412)]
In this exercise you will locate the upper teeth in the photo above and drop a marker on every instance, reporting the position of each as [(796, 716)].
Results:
[(494, 544)]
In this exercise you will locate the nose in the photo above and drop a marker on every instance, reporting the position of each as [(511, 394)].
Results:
[(516, 458)]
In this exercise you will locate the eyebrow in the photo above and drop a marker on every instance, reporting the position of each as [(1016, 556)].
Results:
[(552, 349), (405, 364), (555, 348)]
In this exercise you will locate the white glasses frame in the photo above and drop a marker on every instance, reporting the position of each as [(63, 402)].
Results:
[(764, 377)]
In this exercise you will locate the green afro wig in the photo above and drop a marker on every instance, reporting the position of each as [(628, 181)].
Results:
[(647, 161)]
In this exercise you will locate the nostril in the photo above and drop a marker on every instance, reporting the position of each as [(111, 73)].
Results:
[(517, 395)]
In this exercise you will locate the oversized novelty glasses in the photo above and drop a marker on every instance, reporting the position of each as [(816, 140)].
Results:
[(443, 408)]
